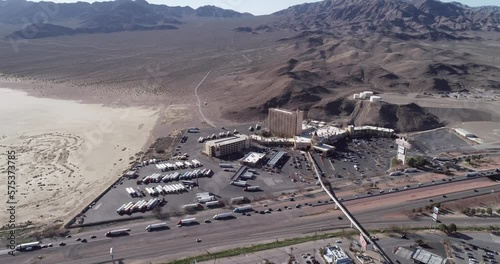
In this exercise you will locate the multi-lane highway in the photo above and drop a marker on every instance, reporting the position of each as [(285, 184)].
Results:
[(245, 230)]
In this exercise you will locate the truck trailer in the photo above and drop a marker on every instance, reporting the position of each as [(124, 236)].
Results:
[(187, 221), (243, 209), (252, 189), (223, 216), (118, 232), (158, 226), (29, 246)]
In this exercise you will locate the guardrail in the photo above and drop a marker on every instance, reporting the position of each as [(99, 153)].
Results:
[(344, 210)]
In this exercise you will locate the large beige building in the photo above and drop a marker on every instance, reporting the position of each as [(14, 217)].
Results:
[(284, 123), (226, 146)]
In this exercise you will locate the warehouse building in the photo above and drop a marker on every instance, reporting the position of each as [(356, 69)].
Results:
[(226, 146), (285, 123)]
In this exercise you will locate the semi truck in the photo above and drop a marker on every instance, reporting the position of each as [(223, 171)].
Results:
[(239, 183), (29, 246), (213, 204), (158, 226), (187, 221), (252, 189), (118, 232), (223, 216), (243, 209), (195, 206)]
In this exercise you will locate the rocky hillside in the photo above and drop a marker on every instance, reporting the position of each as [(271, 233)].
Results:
[(412, 16), (100, 17), (345, 46), (402, 118)]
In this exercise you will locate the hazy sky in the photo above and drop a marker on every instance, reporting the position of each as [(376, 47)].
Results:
[(261, 7)]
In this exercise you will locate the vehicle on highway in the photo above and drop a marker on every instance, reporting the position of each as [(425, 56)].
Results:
[(187, 221), (84, 240), (93, 236), (471, 174), (396, 173), (29, 246), (62, 244), (198, 240), (158, 226), (243, 209), (118, 232), (222, 216)]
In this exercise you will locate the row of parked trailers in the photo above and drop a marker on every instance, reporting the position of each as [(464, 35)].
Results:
[(167, 189), (247, 188), (178, 165), (140, 206), (158, 177)]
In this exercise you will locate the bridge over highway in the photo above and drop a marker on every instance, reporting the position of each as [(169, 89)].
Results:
[(344, 210)]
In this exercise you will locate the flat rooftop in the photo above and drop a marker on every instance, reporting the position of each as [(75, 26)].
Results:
[(228, 140), (253, 157), (424, 256)]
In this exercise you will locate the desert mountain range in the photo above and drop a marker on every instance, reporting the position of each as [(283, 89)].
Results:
[(311, 56), (101, 17)]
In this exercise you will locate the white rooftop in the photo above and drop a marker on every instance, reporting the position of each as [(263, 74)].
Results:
[(329, 131), (299, 139), (253, 157), (271, 139), (427, 257), (374, 128)]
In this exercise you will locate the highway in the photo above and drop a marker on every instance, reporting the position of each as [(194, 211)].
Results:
[(244, 230)]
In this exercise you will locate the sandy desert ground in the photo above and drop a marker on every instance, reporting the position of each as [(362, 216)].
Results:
[(67, 152)]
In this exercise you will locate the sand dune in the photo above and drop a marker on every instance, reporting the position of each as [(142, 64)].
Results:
[(67, 152)]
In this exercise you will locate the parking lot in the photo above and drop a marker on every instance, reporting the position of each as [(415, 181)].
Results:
[(292, 175), (434, 142), (476, 248), (359, 159)]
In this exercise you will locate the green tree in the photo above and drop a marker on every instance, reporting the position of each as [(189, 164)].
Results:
[(438, 205), (467, 160), (498, 211), (412, 162), (489, 211), (466, 211), (419, 210), (443, 228), (473, 211), (394, 162), (452, 228), (483, 211), (420, 161)]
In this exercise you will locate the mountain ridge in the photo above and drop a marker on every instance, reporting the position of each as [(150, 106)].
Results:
[(113, 16)]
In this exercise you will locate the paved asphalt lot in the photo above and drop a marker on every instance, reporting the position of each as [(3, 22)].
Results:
[(462, 245), (434, 142), (371, 155), (289, 180)]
